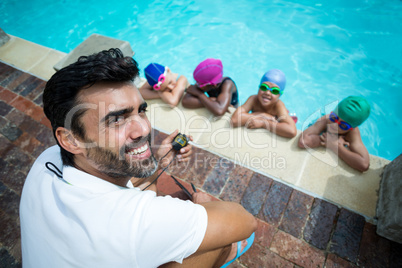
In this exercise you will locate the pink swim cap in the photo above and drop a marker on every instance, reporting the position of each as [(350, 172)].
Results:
[(208, 72)]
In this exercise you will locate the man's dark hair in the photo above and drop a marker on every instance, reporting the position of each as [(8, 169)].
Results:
[(61, 91)]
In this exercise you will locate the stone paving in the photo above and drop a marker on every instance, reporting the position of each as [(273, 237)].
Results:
[(295, 229)]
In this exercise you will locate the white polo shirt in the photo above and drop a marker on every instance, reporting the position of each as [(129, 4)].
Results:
[(85, 221)]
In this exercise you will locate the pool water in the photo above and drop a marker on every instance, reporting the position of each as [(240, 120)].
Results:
[(328, 50)]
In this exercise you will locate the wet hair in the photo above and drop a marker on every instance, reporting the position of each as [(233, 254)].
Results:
[(61, 92)]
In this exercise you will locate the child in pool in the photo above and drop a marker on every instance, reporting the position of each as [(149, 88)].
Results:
[(267, 110), (339, 132), (163, 84), (221, 91)]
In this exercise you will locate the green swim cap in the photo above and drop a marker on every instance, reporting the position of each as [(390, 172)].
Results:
[(354, 110)]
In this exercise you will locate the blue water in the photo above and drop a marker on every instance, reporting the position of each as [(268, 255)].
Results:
[(328, 50)]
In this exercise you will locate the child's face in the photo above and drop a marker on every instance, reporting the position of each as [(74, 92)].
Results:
[(334, 128), (170, 81), (266, 98)]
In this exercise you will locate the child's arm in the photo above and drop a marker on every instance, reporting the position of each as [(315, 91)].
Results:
[(285, 126), (356, 156), (173, 97), (147, 92), (190, 99), (218, 106), (310, 138), (241, 116)]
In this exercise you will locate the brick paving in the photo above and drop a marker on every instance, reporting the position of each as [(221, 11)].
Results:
[(294, 229)]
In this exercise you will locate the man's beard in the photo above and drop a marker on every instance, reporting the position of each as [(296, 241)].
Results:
[(116, 165)]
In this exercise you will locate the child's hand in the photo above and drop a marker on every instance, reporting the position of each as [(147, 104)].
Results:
[(323, 139), (260, 121), (332, 141), (194, 91), (255, 122), (342, 142)]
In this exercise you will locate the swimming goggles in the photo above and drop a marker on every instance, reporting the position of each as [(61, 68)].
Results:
[(161, 79), (274, 90), (342, 124)]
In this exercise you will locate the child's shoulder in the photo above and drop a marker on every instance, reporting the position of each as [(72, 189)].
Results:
[(353, 133), (253, 99), (279, 108), (228, 80), (255, 105)]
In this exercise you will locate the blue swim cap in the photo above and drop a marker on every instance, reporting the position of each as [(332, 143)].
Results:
[(152, 73), (275, 76)]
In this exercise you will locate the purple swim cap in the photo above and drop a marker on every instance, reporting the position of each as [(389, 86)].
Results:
[(275, 76), (208, 72), (152, 73)]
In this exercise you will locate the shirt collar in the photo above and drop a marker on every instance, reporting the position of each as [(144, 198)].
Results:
[(82, 179)]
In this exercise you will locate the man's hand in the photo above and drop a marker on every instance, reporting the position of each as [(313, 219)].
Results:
[(183, 155)]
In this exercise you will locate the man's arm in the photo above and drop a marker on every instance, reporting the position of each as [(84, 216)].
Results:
[(228, 222), (173, 97), (310, 138)]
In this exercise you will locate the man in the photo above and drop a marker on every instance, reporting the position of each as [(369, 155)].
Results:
[(82, 203)]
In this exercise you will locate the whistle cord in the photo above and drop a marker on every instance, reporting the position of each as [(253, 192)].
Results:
[(57, 172), (52, 167), (163, 170)]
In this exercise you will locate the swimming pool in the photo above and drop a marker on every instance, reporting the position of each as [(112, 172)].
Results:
[(327, 50)]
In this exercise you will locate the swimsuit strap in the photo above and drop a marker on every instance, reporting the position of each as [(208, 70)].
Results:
[(216, 91)]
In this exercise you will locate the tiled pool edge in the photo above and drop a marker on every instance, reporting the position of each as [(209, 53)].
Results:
[(30, 57), (221, 158), (294, 227)]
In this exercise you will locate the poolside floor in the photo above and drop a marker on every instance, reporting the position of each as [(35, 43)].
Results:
[(296, 229)]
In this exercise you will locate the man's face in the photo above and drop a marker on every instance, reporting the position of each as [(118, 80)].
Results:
[(118, 127)]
